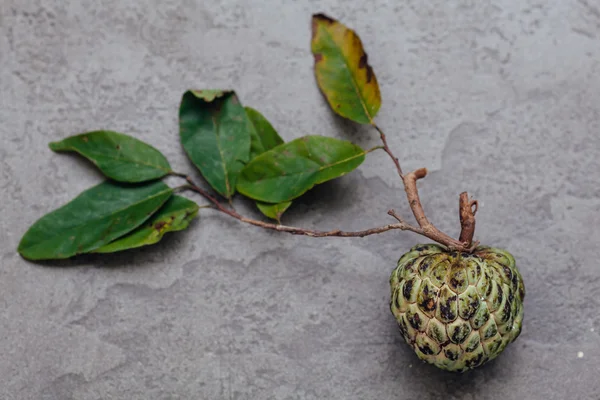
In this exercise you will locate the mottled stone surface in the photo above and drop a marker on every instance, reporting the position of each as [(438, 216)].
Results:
[(499, 97)]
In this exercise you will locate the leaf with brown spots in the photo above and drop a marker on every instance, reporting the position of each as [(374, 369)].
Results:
[(119, 157), (289, 170), (343, 72), (175, 215), (215, 132)]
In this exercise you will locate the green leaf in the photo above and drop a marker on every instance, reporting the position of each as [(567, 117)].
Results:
[(120, 157), (342, 70), (273, 211), (290, 169), (215, 132), (264, 137), (94, 218), (175, 215)]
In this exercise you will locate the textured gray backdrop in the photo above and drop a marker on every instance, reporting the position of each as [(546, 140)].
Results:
[(498, 97)]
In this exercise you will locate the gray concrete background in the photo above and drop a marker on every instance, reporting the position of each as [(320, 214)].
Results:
[(499, 97)]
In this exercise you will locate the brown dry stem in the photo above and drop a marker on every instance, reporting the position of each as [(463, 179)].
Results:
[(429, 230), (467, 217), (401, 225)]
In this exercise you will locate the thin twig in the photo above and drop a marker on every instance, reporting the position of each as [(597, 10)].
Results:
[(388, 150), (401, 225)]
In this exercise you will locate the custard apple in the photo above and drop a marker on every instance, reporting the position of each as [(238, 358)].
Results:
[(457, 310)]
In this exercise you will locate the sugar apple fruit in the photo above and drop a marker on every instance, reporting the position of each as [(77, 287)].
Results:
[(457, 310)]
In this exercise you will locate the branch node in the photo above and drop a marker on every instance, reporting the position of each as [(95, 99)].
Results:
[(467, 208), (394, 214)]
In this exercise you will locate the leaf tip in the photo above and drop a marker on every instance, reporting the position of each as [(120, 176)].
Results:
[(318, 19), (26, 254), (322, 17), (54, 146)]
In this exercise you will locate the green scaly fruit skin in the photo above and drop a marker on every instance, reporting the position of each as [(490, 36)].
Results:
[(457, 310)]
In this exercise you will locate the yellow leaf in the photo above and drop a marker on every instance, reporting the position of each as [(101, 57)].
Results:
[(342, 70)]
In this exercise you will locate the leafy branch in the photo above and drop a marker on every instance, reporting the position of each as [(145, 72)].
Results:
[(236, 150)]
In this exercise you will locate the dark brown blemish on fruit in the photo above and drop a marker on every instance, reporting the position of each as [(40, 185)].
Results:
[(506, 312), (428, 303), (425, 264), (489, 288), (490, 331), (430, 306), (407, 289), (494, 347), (472, 346), (508, 273), (318, 57), (500, 294), (455, 283), (475, 361), (481, 319), (451, 355), (521, 291), (437, 334), (472, 307), (159, 225), (410, 265), (515, 281), (402, 329), (460, 334), (398, 301), (425, 349), (415, 321), (446, 309)]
